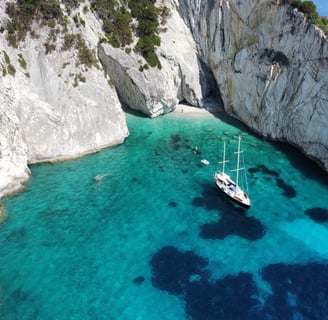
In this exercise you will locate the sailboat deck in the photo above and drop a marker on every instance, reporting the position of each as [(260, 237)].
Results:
[(230, 187)]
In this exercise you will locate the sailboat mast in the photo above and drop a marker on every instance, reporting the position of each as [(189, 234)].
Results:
[(238, 160), (223, 162)]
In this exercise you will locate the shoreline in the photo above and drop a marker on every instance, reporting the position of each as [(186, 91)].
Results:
[(2, 214), (182, 109)]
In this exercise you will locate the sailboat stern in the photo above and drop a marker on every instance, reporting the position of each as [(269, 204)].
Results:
[(229, 188)]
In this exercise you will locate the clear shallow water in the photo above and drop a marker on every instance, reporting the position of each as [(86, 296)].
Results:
[(139, 231)]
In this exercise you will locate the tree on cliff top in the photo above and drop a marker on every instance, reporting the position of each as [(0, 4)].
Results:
[(310, 11)]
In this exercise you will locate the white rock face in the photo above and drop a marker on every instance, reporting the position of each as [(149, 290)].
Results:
[(13, 150), (60, 120), (154, 91), (55, 108), (271, 66), (263, 59)]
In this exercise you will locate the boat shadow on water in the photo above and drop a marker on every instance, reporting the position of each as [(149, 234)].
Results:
[(233, 220)]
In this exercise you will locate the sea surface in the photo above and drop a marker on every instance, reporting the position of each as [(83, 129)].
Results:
[(140, 232)]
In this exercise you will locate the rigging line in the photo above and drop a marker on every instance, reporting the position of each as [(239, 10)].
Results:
[(245, 173)]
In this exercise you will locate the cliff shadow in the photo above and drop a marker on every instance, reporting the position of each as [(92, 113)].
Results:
[(309, 168), (211, 94), (129, 110)]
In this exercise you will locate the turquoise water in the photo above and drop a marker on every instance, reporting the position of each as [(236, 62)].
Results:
[(139, 231)]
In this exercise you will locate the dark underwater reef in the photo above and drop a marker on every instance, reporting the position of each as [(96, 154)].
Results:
[(298, 291)]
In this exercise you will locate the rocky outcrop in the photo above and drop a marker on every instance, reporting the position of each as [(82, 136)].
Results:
[(51, 106), (264, 60), (182, 76), (62, 117), (271, 66), (269, 63), (2, 214), (13, 149)]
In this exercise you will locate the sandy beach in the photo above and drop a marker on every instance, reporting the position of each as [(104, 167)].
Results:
[(190, 110)]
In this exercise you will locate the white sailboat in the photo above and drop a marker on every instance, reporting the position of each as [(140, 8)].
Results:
[(229, 187)]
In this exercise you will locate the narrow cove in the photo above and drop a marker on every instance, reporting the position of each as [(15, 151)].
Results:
[(139, 231)]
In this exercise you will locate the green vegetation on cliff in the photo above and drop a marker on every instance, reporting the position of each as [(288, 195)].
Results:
[(8, 68), (122, 21), (310, 11), (24, 12), (116, 21), (147, 15)]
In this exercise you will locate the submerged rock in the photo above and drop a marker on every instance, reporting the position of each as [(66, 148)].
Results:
[(172, 269), (317, 214), (184, 274), (298, 291), (139, 280)]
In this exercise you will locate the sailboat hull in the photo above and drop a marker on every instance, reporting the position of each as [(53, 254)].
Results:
[(229, 188)]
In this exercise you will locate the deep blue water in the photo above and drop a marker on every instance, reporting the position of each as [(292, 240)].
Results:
[(139, 231)]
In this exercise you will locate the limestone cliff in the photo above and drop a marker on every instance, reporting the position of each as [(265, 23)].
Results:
[(262, 60), (51, 105), (182, 76), (271, 66), (269, 63)]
